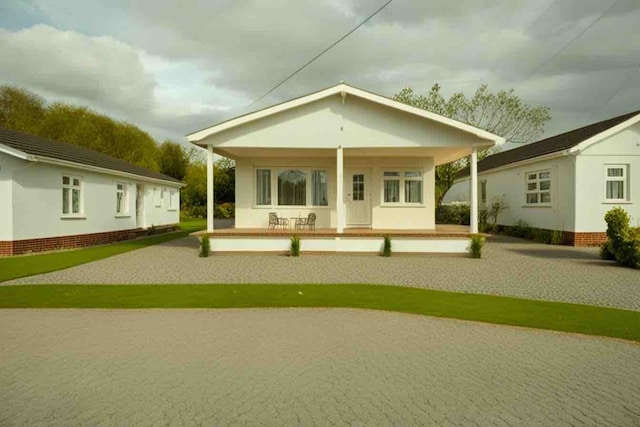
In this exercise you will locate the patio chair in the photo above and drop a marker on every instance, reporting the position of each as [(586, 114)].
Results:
[(275, 222), (309, 222)]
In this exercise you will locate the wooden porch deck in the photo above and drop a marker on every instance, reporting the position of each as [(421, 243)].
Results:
[(441, 230)]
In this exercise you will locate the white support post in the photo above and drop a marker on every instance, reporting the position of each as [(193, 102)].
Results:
[(474, 191), (339, 190), (210, 197)]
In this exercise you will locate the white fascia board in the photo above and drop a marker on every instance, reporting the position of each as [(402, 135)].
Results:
[(106, 171), (16, 153), (343, 89), (603, 135)]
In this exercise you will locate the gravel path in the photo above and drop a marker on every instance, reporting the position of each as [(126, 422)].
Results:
[(512, 267), (305, 367)]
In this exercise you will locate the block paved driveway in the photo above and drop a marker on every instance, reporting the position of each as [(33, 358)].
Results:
[(512, 267), (305, 367)]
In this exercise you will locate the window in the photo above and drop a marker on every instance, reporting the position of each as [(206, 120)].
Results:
[(391, 187), (156, 197), (173, 196), (263, 187), (483, 192), (292, 188), (71, 195), (538, 188), (616, 178), (402, 187), (122, 198), (413, 187), (319, 188)]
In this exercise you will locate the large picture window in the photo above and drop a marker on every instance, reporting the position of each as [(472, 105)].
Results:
[(616, 180), (292, 188), (403, 187), (538, 188), (71, 195), (263, 187)]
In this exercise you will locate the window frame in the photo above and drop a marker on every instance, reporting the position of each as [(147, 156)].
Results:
[(624, 179), (172, 200), (402, 178), (157, 201), (71, 187), (125, 199), (275, 171), (483, 192), (538, 191)]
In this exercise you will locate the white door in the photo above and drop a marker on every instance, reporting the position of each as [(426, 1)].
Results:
[(358, 198)]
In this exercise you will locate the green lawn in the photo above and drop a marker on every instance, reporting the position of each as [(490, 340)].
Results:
[(583, 319), (21, 266)]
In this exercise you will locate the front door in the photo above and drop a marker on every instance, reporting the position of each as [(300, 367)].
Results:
[(358, 198)]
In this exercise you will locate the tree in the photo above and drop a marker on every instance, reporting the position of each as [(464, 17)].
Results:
[(173, 159), (20, 109), (502, 113)]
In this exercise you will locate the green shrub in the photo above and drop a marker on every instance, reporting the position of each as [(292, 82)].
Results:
[(475, 248), (454, 213), (386, 247), (224, 210), (295, 246), (605, 252), (557, 237), (540, 235), (205, 246), (483, 216), (623, 241), (497, 206), (521, 229)]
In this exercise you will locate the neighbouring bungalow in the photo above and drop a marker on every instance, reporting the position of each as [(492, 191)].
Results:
[(362, 165), (567, 182), (55, 195)]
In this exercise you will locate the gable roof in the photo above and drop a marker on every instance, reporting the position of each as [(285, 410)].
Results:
[(343, 89), (554, 144), (35, 148)]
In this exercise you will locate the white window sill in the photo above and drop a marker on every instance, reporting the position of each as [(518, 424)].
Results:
[(402, 205), (275, 207), (617, 202), (122, 216), (547, 205), (73, 217)]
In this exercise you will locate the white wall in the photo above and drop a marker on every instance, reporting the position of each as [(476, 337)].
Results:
[(510, 184), (7, 166), (159, 213), (401, 217), (621, 148), (37, 203)]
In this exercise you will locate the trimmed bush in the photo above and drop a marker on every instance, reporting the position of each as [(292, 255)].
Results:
[(521, 229), (205, 246), (475, 248), (224, 210), (386, 247), (295, 246), (605, 252), (557, 237), (454, 213), (623, 241)]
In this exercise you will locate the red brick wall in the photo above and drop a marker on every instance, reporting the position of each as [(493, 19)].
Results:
[(18, 247), (584, 239)]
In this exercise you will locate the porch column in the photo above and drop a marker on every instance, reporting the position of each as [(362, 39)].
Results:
[(339, 190), (209, 188), (474, 191)]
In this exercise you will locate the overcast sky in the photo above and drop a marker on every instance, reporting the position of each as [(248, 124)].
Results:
[(173, 67)]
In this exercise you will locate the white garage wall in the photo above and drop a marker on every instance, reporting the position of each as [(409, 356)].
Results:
[(37, 203)]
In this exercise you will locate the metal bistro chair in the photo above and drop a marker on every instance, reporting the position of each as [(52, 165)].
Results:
[(275, 222), (309, 222)]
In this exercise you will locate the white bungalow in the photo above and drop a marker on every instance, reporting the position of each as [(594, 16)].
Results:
[(55, 195), (363, 163)]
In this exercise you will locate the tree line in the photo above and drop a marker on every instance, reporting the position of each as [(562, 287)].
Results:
[(27, 112)]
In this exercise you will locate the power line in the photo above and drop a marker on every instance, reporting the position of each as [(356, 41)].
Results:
[(322, 53), (624, 83), (595, 21)]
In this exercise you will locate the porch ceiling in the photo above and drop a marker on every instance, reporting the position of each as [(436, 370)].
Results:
[(440, 154)]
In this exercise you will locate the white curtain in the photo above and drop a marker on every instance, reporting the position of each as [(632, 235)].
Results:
[(413, 191), (392, 191), (263, 187), (292, 188), (319, 188)]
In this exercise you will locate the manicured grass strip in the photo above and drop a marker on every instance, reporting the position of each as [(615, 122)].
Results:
[(21, 266), (557, 316)]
